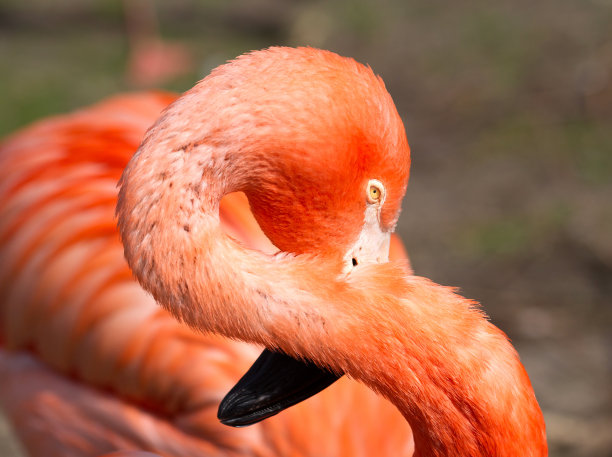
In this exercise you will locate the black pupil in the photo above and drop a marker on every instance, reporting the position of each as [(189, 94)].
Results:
[(354, 262)]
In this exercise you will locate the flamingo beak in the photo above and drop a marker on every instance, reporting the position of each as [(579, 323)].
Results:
[(372, 245), (373, 249), (274, 383)]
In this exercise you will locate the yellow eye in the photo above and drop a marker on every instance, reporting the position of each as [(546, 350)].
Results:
[(375, 192)]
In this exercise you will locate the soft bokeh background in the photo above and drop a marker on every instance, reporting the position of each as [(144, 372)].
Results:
[(508, 109)]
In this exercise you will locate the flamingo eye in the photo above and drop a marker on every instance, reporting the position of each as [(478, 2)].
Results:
[(375, 191)]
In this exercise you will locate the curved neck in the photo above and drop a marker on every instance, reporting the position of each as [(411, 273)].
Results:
[(454, 376)]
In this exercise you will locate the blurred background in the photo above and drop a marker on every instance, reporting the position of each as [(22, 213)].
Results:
[(508, 110)]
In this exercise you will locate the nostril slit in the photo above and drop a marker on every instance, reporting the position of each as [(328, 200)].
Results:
[(354, 262)]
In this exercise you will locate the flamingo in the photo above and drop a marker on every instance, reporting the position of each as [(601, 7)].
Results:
[(316, 148)]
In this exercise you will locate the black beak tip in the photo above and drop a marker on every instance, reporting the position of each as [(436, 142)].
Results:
[(240, 409), (228, 413), (275, 382)]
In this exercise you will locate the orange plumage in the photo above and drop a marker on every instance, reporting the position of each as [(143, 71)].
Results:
[(90, 364)]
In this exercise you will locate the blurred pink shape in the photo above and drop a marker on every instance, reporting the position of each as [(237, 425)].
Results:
[(151, 60)]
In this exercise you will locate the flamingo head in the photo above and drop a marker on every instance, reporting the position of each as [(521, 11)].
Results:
[(328, 160), (312, 138)]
